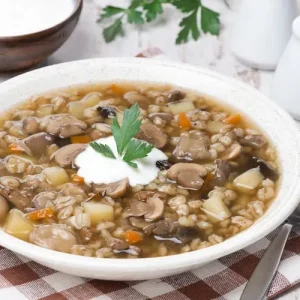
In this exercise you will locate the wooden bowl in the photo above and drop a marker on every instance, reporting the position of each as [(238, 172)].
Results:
[(20, 52)]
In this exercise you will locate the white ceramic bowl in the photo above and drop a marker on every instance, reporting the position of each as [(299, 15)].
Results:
[(276, 124)]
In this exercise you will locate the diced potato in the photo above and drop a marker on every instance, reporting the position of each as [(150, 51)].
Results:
[(119, 117), (91, 99), (76, 109), (249, 180), (215, 208), (56, 175), (18, 225), (44, 110), (181, 107), (98, 211), (215, 126)]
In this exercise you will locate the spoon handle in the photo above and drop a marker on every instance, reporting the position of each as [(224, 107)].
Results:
[(264, 272)]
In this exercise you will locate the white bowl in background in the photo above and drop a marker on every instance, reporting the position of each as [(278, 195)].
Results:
[(274, 121)]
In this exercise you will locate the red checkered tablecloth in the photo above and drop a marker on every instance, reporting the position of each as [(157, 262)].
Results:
[(224, 279)]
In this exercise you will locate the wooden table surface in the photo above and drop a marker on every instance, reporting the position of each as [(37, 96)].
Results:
[(209, 51)]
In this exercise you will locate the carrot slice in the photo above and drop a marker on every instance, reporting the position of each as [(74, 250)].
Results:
[(184, 121), (117, 90), (41, 214), (77, 179), (133, 237), (234, 119), (80, 139), (15, 149)]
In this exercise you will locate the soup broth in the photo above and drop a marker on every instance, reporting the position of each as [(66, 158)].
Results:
[(219, 174)]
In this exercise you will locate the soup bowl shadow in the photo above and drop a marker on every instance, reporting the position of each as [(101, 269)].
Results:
[(273, 121), (23, 51)]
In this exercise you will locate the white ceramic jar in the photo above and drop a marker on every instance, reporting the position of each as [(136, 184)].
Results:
[(262, 31), (286, 84)]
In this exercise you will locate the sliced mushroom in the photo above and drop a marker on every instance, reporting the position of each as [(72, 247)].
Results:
[(255, 141), (54, 237), (4, 209), (232, 152), (153, 135), (175, 95), (63, 125), (36, 144), (85, 235), (31, 125), (191, 149), (164, 227), (116, 244), (187, 175), (186, 234), (66, 155), (20, 199), (40, 200), (223, 169), (265, 168), (152, 209), (164, 116), (144, 195), (114, 190)]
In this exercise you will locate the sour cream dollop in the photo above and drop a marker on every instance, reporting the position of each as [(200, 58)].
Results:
[(97, 168)]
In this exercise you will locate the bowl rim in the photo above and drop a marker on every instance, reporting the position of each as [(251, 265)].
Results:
[(16, 38), (127, 265)]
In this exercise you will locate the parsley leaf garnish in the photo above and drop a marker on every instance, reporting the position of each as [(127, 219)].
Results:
[(103, 149), (136, 149), (123, 135), (197, 17), (130, 127)]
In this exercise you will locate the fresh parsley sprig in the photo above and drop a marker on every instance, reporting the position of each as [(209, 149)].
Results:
[(103, 149), (198, 17), (128, 148)]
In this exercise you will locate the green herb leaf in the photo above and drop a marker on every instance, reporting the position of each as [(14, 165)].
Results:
[(186, 6), (210, 21), (130, 127), (153, 9), (110, 11), (189, 26), (137, 149), (103, 149), (134, 17), (112, 31)]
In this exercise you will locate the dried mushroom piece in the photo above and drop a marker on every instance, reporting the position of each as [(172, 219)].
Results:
[(114, 190), (187, 175), (66, 155), (152, 209), (191, 148), (153, 135), (63, 125)]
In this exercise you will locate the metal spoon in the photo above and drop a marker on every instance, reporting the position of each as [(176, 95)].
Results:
[(264, 272)]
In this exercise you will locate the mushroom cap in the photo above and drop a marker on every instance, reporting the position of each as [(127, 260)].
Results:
[(66, 155), (37, 143), (55, 237), (41, 199), (114, 190), (188, 175), (153, 135), (63, 125), (152, 209), (255, 141)]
